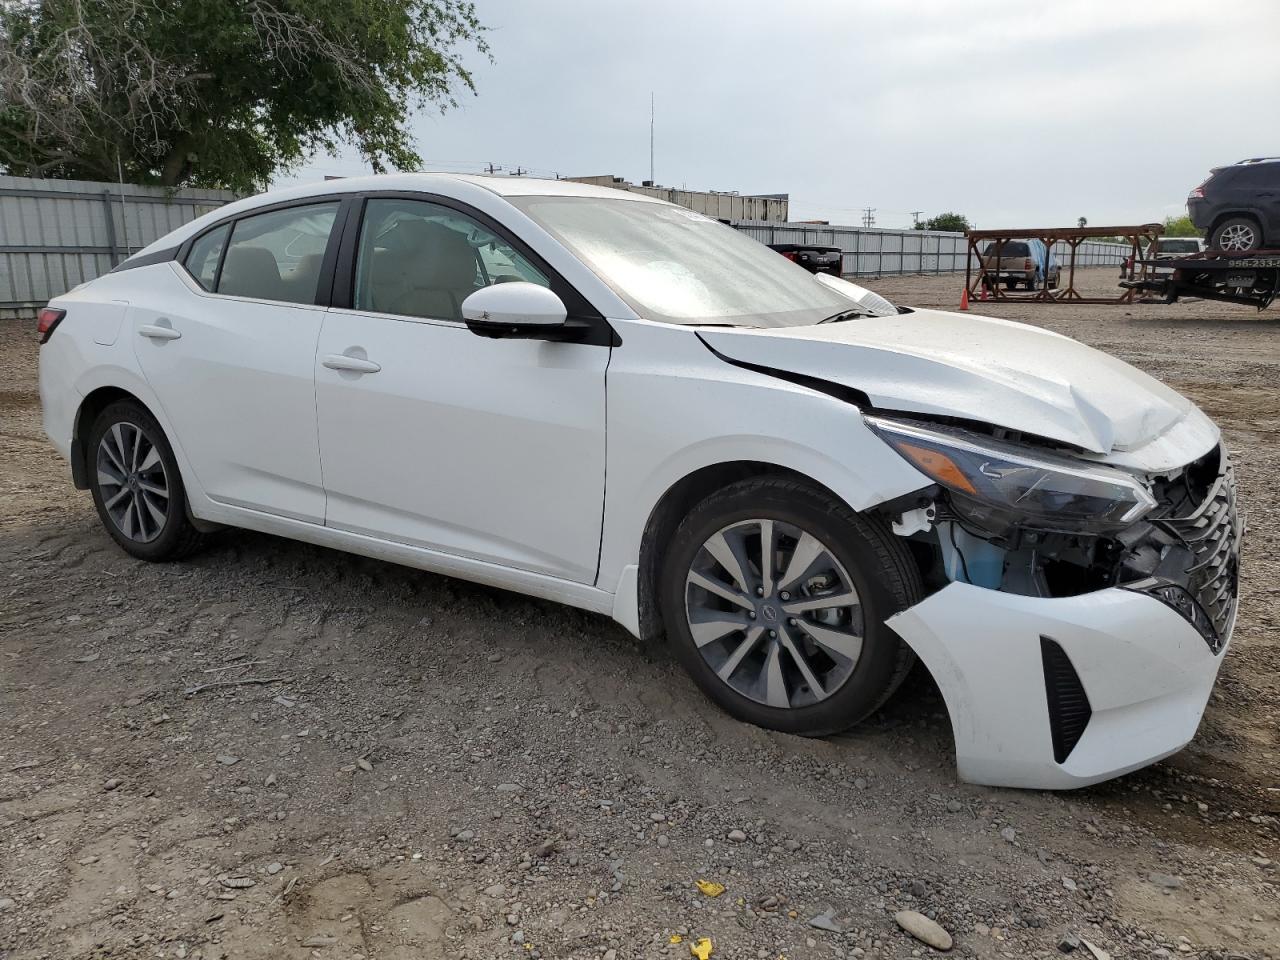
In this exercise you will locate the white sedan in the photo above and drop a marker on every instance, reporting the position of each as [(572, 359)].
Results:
[(617, 403)]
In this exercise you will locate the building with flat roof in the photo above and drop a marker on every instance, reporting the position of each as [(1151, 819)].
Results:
[(723, 205)]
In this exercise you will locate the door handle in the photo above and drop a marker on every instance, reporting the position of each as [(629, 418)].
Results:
[(340, 361), (154, 332)]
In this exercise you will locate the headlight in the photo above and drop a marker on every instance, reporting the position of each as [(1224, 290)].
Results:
[(1020, 483)]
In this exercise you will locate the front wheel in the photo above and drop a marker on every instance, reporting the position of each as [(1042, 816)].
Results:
[(136, 485), (774, 596)]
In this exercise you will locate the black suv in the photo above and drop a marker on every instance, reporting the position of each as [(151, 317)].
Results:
[(1239, 206)]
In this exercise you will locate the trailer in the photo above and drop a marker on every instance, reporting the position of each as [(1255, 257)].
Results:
[(1251, 278)]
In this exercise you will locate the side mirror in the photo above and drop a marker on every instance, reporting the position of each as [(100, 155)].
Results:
[(516, 309)]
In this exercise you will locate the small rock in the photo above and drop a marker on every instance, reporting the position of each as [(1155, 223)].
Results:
[(495, 658), (1260, 861), (508, 788), (1069, 942), (827, 921), (546, 848), (466, 836), (737, 836), (1069, 884), (227, 759), (658, 817), (320, 940), (954, 806), (364, 765), (860, 783), (86, 861), (919, 888), (111, 784), (497, 891), (1009, 834), (6, 903), (663, 841), (1165, 880), (923, 929), (274, 868), (791, 846)]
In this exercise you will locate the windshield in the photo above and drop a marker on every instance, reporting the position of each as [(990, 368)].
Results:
[(678, 266), (1179, 246)]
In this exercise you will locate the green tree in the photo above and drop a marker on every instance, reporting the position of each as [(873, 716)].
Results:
[(953, 222), (1083, 222), (221, 93), (1180, 227)]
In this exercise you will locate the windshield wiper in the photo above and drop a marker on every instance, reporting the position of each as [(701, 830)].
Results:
[(846, 315)]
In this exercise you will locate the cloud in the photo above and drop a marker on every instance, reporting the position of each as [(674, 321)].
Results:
[(1015, 115)]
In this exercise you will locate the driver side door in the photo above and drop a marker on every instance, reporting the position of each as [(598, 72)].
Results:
[(490, 449)]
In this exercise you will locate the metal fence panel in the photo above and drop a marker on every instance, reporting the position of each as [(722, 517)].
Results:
[(870, 252), (55, 234)]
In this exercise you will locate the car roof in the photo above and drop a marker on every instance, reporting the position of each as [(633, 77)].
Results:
[(467, 187), (503, 186)]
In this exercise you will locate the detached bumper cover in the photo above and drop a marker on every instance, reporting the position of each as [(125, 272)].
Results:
[(1146, 674)]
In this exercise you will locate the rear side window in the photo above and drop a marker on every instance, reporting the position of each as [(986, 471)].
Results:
[(202, 261), (277, 255), (1257, 175)]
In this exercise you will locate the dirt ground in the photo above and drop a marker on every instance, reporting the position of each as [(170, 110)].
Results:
[(444, 770)]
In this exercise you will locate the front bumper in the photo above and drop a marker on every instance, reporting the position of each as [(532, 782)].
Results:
[(1145, 670)]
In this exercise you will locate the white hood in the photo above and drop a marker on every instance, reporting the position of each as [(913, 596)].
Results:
[(994, 371)]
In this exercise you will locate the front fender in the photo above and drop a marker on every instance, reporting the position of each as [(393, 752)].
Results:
[(688, 410)]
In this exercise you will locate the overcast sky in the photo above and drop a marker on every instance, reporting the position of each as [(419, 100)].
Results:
[(1013, 114)]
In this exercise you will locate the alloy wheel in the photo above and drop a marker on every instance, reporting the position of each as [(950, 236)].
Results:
[(1238, 236), (133, 482), (774, 613)]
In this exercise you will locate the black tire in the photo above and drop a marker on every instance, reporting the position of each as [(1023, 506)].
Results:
[(883, 573), (1240, 234), (174, 537)]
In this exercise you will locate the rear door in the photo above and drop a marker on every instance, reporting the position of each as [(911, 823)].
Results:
[(491, 449), (229, 349)]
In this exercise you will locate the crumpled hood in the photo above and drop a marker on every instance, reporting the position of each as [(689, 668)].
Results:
[(995, 371)]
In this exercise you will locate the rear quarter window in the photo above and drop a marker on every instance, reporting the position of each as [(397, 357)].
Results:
[(206, 252)]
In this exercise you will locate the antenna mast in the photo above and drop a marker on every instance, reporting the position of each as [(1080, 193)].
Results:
[(651, 180)]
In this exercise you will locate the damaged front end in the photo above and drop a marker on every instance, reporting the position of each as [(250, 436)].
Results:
[(1009, 514)]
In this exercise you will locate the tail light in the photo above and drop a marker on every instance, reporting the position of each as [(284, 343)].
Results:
[(1026, 264), (48, 322), (790, 255), (1197, 192)]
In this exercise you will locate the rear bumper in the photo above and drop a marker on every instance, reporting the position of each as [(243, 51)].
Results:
[(1147, 674), (59, 399), (1199, 212)]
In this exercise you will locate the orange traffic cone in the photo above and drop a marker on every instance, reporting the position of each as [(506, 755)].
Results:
[(964, 299)]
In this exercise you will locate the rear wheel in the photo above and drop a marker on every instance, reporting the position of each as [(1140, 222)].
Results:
[(774, 595), (136, 485), (1236, 235)]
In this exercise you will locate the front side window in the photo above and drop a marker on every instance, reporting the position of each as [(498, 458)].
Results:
[(422, 259), (677, 266), (277, 255), (206, 253)]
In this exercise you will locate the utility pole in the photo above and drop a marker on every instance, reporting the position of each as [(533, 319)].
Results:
[(868, 216), (651, 180), (493, 169), (915, 218)]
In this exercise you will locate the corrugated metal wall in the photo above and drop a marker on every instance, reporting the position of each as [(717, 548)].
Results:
[(55, 234), (870, 252)]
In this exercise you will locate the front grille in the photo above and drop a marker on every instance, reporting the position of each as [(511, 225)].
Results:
[(1213, 533), (1069, 709)]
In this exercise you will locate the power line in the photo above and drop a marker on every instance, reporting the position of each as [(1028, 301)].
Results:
[(868, 216)]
